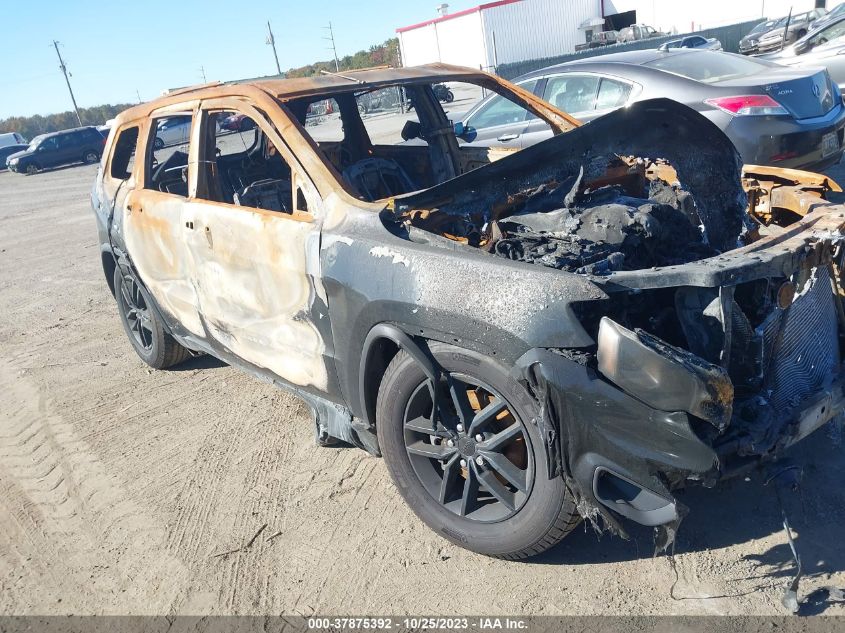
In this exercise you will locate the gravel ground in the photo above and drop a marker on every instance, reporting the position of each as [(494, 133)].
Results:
[(120, 487)]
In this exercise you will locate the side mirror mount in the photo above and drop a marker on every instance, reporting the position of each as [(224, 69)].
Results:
[(465, 132), (411, 130)]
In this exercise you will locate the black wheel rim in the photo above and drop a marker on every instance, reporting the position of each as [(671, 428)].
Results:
[(136, 312), (471, 452)]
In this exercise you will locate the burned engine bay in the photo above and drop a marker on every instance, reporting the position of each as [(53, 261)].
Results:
[(632, 224), (584, 202)]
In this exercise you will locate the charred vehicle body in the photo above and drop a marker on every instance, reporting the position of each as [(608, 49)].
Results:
[(529, 337)]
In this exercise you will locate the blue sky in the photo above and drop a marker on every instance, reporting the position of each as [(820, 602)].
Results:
[(113, 48)]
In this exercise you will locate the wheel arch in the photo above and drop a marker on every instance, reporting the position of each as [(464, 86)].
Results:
[(382, 344), (107, 260)]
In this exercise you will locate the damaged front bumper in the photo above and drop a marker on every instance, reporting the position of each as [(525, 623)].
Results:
[(636, 417), (618, 453)]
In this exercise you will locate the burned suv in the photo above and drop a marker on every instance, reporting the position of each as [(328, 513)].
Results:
[(529, 338)]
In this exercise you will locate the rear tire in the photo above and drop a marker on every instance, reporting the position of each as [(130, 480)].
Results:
[(145, 331), (158, 143), (90, 157), (526, 523)]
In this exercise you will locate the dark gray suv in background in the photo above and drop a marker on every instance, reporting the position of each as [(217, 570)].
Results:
[(81, 144), (774, 115)]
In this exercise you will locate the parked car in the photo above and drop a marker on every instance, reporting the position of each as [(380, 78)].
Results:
[(692, 41), (81, 144), (171, 131), (7, 151), (748, 44), (526, 340), (835, 13), (794, 28), (828, 55), (830, 33), (637, 32), (602, 38), (11, 138), (237, 123), (790, 117)]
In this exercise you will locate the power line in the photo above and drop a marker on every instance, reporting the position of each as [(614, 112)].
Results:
[(271, 41), (67, 80), (333, 48), (202, 72)]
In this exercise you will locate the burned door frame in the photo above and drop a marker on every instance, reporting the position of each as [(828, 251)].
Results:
[(256, 272), (150, 225)]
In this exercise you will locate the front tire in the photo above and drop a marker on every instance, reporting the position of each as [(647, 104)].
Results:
[(488, 490), (145, 331), (32, 169)]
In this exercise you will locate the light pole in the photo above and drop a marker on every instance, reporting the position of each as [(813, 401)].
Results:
[(271, 41), (333, 48), (67, 81)]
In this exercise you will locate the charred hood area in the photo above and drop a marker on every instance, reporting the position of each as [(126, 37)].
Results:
[(654, 184)]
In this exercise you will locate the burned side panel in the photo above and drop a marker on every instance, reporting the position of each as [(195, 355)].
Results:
[(440, 290), (253, 289)]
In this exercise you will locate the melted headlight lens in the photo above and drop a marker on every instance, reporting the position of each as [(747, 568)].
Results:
[(663, 376)]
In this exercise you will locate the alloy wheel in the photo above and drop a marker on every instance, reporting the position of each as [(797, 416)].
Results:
[(469, 449), (137, 312)]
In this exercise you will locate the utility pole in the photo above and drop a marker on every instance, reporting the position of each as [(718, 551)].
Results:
[(333, 48), (64, 70), (202, 72), (271, 41)]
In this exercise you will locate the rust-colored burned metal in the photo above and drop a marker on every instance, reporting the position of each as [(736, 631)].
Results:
[(779, 196)]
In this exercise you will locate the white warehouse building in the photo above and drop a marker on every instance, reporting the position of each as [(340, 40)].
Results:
[(509, 31)]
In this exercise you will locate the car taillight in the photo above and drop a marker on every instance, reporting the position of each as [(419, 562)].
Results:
[(746, 105)]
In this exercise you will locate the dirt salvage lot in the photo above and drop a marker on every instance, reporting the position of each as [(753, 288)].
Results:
[(120, 487)]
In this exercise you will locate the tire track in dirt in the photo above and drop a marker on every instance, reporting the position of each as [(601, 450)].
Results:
[(249, 569), (99, 520)]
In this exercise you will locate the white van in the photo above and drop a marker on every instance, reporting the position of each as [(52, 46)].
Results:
[(12, 138)]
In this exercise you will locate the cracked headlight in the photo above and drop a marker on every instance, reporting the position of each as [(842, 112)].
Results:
[(663, 376)]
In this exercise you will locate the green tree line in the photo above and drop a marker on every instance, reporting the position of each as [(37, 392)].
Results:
[(30, 126), (386, 53)]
